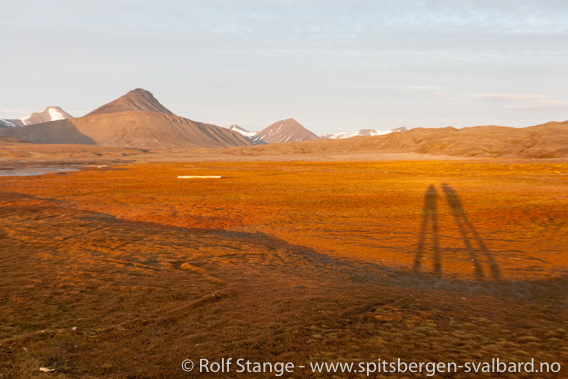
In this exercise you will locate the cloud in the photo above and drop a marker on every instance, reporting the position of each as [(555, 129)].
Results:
[(506, 96), (542, 106), (15, 110), (531, 102)]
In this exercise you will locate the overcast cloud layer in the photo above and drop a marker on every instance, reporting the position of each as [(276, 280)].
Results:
[(332, 65)]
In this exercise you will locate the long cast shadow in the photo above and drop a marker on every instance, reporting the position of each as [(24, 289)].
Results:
[(473, 242), (466, 228), (373, 273), (429, 215)]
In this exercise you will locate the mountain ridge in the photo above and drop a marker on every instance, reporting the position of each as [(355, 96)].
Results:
[(136, 120), (543, 141)]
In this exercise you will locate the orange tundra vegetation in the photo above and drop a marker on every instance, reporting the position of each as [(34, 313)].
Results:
[(128, 270)]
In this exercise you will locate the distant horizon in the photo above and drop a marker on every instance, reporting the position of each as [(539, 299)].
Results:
[(333, 66), (85, 112)]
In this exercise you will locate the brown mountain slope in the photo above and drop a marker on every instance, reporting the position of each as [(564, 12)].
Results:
[(542, 141), (288, 130), (135, 120), (128, 129), (149, 129)]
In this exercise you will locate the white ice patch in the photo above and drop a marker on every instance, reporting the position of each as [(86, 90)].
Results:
[(8, 122), (244, 132), (54, 114), (342, 135), (380, 132)]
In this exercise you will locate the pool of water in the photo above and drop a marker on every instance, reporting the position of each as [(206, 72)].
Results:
[(34, 171)]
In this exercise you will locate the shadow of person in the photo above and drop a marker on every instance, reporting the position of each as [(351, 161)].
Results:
[(429, 216), (466, 229)]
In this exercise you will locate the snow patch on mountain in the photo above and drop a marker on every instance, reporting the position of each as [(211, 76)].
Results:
[(362, 132), (242, 131), (55, 114), (253, 137), (47, 114)]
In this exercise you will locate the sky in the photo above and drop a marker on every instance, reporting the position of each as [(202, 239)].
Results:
[(332, 65)]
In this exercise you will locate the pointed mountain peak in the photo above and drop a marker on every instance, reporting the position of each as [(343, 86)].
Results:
[(50, 113), (56, 113), (288, 130), (135, 100)]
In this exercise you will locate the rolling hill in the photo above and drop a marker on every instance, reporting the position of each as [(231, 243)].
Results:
[(548, 140)]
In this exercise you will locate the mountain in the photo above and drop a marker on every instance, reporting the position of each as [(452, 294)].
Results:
[(253, 137), (544, 141), (362, 132), (135, 120), (50, 113), (135, 100), (288, 130)]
